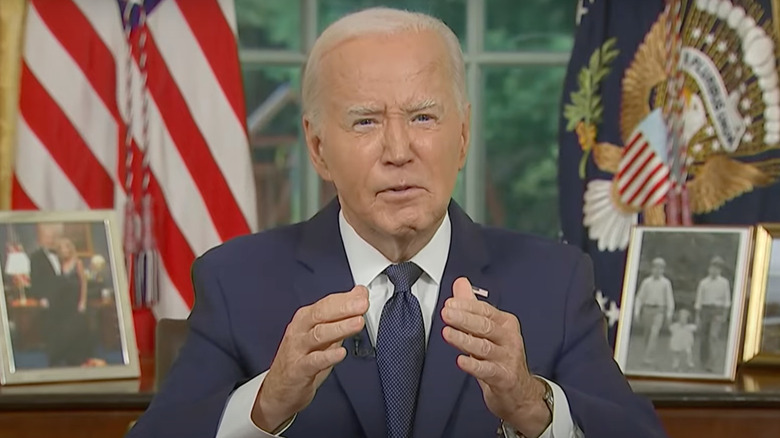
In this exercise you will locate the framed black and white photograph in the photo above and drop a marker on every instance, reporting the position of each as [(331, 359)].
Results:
[(64, 300), (762, 331), (683, 302)]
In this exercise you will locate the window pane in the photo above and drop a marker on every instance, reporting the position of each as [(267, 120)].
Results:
[(452, 12), (521, 124), (545, 25), (269, 24), (273, 112)]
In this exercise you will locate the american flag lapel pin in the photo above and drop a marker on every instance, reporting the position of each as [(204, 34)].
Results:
[(479, 291)]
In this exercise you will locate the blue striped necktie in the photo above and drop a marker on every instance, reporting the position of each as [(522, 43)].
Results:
[(400, 350)]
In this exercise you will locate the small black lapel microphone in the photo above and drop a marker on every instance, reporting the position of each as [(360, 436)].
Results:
[(361, 351)]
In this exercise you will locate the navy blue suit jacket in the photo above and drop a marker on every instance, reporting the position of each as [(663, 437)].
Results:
[(248, 289)]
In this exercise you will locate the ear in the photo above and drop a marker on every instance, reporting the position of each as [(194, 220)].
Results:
[(315, 147), (465, 137)]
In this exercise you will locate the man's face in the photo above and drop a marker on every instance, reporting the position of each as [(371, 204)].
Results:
[(48, 235), (714, 271), (391, 138), (657, 271)]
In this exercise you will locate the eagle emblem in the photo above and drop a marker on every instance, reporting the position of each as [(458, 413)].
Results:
[(730, 119)]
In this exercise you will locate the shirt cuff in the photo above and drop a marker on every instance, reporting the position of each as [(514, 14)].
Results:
[(562, 425), (236, 421)]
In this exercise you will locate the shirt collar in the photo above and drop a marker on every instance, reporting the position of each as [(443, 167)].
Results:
[(366, 262)]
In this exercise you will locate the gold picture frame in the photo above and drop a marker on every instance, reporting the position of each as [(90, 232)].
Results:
[(683, 303), (765, 285), (65, 312)]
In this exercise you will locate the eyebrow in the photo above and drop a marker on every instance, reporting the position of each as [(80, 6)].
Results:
[(367, 110), (364, 110), (420, 106)]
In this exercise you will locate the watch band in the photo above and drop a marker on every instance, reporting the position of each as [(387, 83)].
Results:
[(507, 431)]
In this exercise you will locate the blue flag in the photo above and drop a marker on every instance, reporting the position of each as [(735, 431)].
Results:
[(614, 168)]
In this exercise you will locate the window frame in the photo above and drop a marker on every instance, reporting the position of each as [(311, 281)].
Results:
[(471, 193)]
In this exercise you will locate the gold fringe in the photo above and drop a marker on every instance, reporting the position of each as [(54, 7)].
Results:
[(12, 14)]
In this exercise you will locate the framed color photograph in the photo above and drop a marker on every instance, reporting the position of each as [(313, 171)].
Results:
[(64, 300), (762, 331), (683, 302)]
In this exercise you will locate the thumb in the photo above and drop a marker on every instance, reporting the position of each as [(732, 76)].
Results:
[(462, 289)]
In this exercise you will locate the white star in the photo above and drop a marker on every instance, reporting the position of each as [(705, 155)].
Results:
[(697, 148), (696, 32), (745, 103), (748, 120), (613, 314), (601, 299), (748, 137), (688, 160), (709, 39), (721, 47), (709, 130), (732, 58), (715, 145)]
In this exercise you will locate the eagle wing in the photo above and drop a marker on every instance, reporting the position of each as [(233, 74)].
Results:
[(721, 179)]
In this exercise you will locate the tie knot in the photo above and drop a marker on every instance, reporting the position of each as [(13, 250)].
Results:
[(403, 275)]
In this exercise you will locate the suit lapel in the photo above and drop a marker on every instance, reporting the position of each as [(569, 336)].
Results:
[(324, 269), (442, 380)]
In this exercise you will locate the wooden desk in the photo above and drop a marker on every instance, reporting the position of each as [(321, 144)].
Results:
[(749, 407)]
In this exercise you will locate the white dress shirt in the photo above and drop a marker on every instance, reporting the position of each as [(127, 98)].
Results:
[(54, 260), (367, 265)]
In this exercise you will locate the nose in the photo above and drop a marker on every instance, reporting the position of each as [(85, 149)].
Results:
[(397, 149)]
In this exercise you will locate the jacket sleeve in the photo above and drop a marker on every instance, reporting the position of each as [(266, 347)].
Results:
[(601, 401), (191, 401)]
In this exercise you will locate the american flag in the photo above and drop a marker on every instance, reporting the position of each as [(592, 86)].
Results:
[(73, 113), (643, 175)]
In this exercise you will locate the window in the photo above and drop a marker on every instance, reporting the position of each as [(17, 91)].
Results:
[(516, 54)]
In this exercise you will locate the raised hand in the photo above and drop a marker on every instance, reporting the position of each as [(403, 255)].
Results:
[(311, 346), (495, 356)]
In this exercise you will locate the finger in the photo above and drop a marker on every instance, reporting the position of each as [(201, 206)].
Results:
[(329, 333), (475, 306), (489, 372), (476, 347), (335, 307), (461, 289), (475, 325), (317, 361)]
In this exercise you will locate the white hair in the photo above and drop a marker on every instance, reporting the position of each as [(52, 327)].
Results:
[(379, 21)]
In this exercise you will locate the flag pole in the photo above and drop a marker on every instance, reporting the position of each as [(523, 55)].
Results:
[(12, 15)]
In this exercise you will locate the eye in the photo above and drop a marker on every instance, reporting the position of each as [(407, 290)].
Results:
[(364, 122), (423, 118)]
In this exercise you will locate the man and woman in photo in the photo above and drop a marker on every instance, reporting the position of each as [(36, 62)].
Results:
[(59, 284)]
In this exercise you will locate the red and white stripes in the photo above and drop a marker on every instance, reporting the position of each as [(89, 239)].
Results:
[(71, 139)]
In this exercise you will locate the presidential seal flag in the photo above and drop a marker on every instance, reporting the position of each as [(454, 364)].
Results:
[(670, 115)]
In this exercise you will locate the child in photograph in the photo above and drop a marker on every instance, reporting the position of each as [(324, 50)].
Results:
[(654, 304), (681, 341), (713, 300)]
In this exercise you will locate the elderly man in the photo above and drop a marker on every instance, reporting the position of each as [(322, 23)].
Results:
[(390, 313)]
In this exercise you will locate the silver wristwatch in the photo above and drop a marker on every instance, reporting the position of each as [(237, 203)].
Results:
[(508, 431)]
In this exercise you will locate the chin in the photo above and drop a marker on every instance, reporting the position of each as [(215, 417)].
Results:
[(407, 220)]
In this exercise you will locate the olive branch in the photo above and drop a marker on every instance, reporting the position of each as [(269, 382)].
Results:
[(585, 111)]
